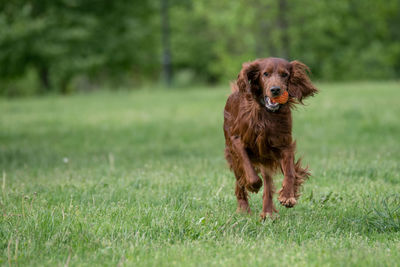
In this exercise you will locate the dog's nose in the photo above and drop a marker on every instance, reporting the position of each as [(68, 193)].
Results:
[(275, 90)]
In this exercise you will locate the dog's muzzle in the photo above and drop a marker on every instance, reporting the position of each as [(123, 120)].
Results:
[(269, 105)]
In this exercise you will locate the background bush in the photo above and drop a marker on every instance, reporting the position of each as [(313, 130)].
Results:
[(63, 46)]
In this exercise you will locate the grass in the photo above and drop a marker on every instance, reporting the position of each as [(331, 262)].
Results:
[(139, 178)]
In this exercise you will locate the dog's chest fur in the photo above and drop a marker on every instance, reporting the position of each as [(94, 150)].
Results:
[(264, 133)]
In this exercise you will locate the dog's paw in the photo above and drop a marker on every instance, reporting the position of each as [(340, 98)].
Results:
[(254, 186), (243, 207), (271, 215), (288, 202)]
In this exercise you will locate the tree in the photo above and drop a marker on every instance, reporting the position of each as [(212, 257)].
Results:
[(62, 39), (166, 50)]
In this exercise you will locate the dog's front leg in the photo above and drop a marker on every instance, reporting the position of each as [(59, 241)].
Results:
[(253, 182), (287, 193)]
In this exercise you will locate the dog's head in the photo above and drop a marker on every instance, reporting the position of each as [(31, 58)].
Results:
[(269, 78)]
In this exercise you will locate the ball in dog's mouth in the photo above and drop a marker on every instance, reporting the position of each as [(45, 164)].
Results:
[(282, 99)]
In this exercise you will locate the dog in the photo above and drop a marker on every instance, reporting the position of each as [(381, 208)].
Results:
[(258, 131)]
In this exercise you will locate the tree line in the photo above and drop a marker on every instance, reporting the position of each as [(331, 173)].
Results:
[(68, 45)]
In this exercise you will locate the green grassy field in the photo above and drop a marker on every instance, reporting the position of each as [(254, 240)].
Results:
[(139, 178)]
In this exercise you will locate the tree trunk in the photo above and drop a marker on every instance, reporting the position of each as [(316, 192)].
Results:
[(64, 83), (265, 45), (166, 50), (44, 78), (283, 26)]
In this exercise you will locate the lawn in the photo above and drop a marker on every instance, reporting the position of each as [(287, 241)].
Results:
[(139, 178)]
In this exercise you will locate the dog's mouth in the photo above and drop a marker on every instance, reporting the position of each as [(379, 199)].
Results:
[(270, 105)]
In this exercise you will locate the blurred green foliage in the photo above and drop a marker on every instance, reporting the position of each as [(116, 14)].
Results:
[(67, 45)]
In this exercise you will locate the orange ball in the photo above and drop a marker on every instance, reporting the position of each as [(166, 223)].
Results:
[(282, 99)]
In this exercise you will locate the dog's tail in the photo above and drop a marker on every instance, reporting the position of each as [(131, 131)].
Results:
[(302, 174)]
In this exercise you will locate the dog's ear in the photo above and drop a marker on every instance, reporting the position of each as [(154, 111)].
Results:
[(300, 85), (248, 76)]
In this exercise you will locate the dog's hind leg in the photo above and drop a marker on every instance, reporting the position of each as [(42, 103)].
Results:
[(287, 194), (240, 190), (253, 182), (241, 195), (268, 205)]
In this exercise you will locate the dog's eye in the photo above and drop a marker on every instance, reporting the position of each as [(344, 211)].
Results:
[(265, 74), (284, 74)]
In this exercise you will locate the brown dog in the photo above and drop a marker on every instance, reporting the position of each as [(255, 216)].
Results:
[(258, 132)]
